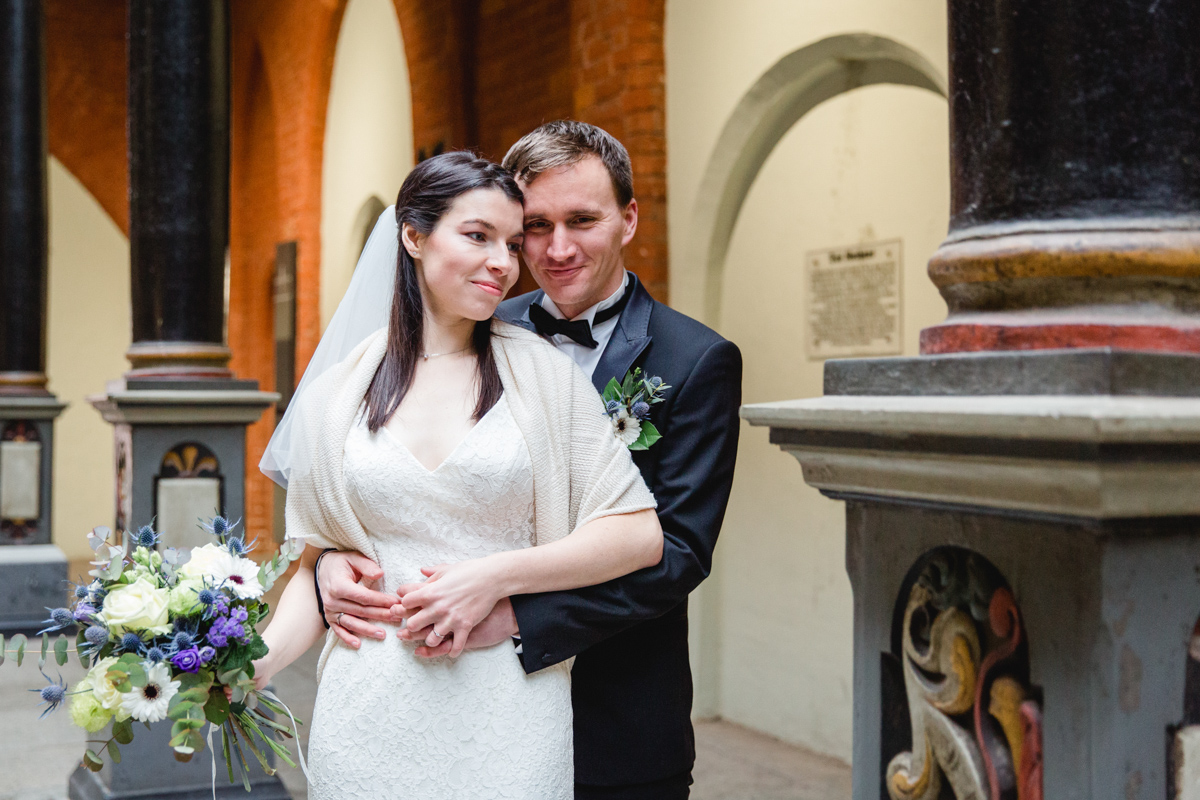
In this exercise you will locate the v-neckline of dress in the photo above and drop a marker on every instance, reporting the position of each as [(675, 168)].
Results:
[(396, 439)]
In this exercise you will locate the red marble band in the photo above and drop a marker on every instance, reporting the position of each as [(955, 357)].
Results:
[(981, 337)]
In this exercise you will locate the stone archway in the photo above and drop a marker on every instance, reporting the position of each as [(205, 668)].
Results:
[(795, 85)]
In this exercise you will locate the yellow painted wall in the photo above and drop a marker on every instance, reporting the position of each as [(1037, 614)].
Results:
[(368, 137), (88, 332), (772, 630)]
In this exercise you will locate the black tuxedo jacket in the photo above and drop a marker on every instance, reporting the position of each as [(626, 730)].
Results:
[(632, 683)]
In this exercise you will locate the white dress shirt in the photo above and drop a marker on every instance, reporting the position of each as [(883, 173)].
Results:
[(587, 357)]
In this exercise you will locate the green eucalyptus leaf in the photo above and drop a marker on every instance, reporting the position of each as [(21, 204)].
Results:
[(216, 710), (80, 642), (612, 391), (92, 761), (114, 752), (60, 651), (45, 649), (19, 641), (122, 730)]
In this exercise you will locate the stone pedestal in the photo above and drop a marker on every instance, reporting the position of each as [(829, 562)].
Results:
[(180, 459), (33, 571), (1026, 574)]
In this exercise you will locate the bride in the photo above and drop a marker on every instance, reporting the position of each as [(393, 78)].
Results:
[(448, 441)]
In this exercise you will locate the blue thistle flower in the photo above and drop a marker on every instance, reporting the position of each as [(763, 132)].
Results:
[(96, 636), (236, 546), (81, 592), (155, 654), (219, 527), (59, 619), (130, 643), (654, 382), (146, 537), (181, 641), (612, 406), (53, 694), (641, 409)]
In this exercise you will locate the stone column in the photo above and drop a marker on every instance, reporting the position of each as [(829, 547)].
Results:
[(1023, 499), (179, 415), (33, 571), (178, 187)]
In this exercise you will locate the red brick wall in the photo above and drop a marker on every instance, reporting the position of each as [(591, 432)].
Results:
[(617, 62)]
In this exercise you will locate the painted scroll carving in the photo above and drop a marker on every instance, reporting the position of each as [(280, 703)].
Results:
[(975, 720)]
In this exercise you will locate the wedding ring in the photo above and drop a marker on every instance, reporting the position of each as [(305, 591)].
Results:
[(338, 620), (443, 638)]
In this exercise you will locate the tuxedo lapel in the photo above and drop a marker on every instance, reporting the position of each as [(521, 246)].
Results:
[(516, 310), (629, 338)]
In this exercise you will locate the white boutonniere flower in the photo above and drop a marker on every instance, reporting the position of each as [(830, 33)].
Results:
[(628, 407)]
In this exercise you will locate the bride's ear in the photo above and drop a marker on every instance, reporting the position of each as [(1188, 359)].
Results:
[(410, 240)]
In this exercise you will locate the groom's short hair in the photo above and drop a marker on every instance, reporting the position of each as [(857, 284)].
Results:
[(565, 142)]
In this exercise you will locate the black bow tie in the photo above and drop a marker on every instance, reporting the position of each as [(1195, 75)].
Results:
[(578, 330)]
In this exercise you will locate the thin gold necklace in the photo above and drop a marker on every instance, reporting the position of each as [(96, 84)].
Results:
[(427, 356)]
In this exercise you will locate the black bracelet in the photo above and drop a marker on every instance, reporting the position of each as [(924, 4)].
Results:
[(317, 585)]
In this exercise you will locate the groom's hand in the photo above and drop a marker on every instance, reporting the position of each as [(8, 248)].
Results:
[(498, 626), (348, 605)]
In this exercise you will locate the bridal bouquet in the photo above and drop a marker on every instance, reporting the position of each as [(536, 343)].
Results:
[(163, 635)]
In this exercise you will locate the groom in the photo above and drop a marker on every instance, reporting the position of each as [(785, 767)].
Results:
[(631, 683)]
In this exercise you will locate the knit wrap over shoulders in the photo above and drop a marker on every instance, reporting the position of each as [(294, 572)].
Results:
[(581, 471)]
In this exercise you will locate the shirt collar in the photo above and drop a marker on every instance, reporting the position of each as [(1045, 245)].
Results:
[(590, 313)]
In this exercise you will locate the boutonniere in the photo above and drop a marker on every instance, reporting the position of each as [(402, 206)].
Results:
[(628, 407)]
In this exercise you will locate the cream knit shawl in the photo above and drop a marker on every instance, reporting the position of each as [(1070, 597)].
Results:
[(581, 471)]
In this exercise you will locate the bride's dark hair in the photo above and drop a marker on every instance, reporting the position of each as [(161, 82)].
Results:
[(425, 196)]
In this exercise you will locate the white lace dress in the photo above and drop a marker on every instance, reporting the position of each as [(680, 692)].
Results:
[(388, 724)]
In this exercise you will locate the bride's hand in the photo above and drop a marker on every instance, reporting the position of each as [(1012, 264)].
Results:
[(454, 600)]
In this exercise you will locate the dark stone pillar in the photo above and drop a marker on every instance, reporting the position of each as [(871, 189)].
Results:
[(1075, 195), (178, 186), (33, 571), (23, 215)]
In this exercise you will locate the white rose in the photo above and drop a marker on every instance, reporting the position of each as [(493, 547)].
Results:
[(138, 606), (102, 687), (201, 563)]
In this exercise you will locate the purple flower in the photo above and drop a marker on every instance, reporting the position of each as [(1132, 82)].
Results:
[(227, 628), (83, 612), (207, 654), (188, 660)]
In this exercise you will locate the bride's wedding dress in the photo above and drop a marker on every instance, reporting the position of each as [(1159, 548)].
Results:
[(388, 724)]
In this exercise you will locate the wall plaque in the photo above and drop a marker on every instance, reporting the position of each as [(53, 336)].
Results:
[(852, 303)]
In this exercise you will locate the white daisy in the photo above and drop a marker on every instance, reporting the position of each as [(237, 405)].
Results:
[(149, 703), (239, 574), (628, 428)]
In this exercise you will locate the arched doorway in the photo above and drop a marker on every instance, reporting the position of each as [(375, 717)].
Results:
[(368, 145), (794, 86)]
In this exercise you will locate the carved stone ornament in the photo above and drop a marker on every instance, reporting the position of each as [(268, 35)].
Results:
[(975, 720)]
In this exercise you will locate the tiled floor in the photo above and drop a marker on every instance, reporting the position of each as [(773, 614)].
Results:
[(733, 763)]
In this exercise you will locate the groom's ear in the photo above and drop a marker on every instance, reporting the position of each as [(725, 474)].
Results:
[(629, 220)]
